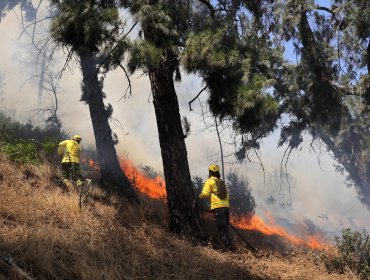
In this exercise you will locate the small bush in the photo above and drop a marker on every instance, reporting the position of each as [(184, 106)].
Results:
[(22, 152), (353, 252), (241, 198), (29, 151), (48, 149)]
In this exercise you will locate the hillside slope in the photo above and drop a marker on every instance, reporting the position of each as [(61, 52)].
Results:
[(48, 236)]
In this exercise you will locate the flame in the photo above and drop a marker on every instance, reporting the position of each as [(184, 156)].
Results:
[(155, 188), (91, 164), (256, 223), (152, 187)]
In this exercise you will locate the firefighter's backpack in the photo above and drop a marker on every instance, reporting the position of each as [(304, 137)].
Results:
[(221, 189)]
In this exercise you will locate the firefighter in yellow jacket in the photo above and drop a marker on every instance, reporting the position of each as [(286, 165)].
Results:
[(219, 206), (71, 152)]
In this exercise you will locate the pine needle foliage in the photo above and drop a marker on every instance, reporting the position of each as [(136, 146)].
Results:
[(326, 92), (85, 25), (237, 64)]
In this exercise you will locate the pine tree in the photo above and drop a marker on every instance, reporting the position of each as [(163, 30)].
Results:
[(175, 33), (327, 92), (85, 27)]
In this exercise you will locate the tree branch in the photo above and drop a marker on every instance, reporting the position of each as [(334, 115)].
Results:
[(262, 166), (325, 9), (69, 56), (33, 23), (129, 87), (191, 101), (210, 7), (221, 149), (114, 48)]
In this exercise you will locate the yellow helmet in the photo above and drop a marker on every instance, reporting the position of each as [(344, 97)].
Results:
[(77, 137), (214, 168)]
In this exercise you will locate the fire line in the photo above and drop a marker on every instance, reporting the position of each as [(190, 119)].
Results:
[(155, 189)]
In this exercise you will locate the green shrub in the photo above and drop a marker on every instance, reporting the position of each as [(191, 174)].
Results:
[(48, 149), (353, 252), (22, 152), (30, 151)]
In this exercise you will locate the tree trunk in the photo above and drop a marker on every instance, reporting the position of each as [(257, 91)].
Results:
[(93, 95), (180, 193)]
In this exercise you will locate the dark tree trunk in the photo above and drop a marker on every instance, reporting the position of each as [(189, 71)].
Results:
[(180, 193), (93, 95)]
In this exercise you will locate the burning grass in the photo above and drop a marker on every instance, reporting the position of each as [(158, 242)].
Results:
[(46, 233)]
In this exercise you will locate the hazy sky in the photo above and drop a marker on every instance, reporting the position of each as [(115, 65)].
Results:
[(316, 191)]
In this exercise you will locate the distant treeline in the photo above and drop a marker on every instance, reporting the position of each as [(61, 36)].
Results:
[(12, 131), (27, 143)]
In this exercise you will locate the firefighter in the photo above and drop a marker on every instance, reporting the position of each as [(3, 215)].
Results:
[(71, 151), (219, 207)]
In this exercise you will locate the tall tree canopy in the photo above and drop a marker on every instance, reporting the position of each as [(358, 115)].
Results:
[(237, 48), (221, 42), (86, 27), (325, 93)]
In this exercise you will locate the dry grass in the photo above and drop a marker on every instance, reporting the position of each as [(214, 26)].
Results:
[(47, 235)]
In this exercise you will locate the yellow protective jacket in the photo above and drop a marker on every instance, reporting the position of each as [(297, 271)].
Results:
[(210, 191), (71, 150)]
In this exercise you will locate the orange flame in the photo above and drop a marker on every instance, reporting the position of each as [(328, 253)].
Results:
[(90, 164), (256, 223), (155, 188), (152, 187)]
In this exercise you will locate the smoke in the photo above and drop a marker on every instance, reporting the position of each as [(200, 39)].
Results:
[(318, 193)]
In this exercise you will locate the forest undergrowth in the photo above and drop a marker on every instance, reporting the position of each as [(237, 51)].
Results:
[(47, 235)]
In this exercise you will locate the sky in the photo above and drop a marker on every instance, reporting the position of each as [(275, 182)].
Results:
[(317, 192)]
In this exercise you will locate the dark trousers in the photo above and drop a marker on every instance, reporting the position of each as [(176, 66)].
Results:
[(221, 216), (72, 171)]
